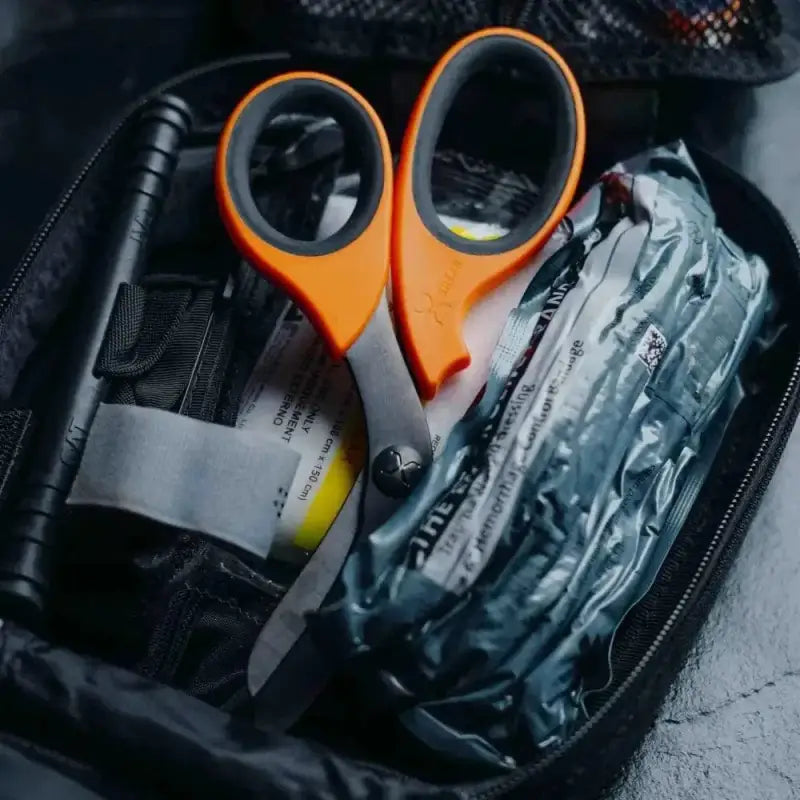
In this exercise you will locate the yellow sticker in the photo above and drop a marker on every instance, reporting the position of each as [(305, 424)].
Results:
[(483, 235), (335, 484)]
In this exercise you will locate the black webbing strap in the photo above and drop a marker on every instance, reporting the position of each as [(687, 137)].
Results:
[(159, 346)]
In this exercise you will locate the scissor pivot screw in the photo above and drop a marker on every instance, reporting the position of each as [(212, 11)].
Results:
[(397, 470)]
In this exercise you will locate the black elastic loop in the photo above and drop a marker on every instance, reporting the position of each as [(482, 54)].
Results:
[(306, 95), (493, 51)]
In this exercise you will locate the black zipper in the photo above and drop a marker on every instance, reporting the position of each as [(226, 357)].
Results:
[(44, 231), (743, 504)]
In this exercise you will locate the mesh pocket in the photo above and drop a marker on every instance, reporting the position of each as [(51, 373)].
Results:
[(720, 38), (745, 40), (712, 24)]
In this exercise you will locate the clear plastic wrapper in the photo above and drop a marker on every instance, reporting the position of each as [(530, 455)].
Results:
[(488, 604)]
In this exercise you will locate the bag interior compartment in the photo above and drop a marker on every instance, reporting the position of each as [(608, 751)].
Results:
[(180, 609)]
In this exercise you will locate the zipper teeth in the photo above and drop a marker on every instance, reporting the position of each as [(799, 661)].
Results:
[(44, 231)]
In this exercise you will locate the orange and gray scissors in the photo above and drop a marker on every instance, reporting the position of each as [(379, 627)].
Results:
[(340, 283)]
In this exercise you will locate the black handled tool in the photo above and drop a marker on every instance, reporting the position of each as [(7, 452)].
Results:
[(26, 547)]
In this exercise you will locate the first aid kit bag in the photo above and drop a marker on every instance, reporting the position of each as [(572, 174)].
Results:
[(181, 455)]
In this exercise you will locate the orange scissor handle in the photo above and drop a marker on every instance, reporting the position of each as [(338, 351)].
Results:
[(338, 281), (438, 275)]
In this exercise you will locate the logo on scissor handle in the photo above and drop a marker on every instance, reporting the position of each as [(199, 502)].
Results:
[(435, 303), (434, 307)]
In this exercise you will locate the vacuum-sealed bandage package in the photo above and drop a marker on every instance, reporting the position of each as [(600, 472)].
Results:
[(488, 604)]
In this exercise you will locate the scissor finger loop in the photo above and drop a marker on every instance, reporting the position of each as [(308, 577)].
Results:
[(438, 275), (339, 280)]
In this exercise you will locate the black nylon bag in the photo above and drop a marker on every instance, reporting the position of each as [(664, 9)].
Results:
[(82, 714)]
